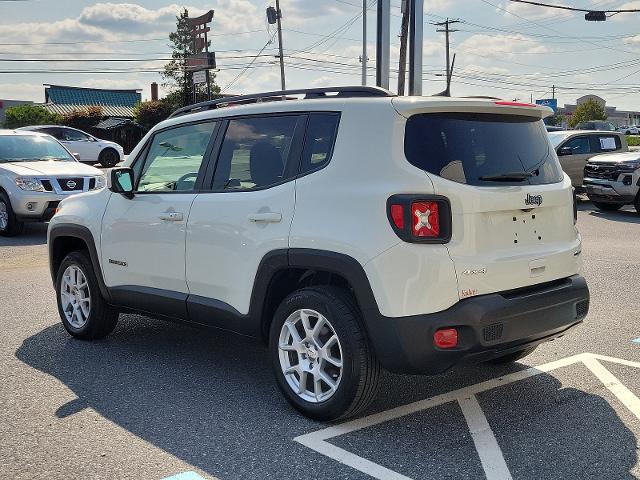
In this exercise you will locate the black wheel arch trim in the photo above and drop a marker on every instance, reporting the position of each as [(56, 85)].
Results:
[(80, 232)]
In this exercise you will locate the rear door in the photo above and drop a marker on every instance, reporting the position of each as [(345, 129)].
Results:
[(512, 209), (246, 213)]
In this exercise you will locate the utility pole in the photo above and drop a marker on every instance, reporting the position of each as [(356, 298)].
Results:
[(364, 42), (383, 43), (553, 91), (282, 81), (447, 31), (404, 31), (274, 16), (416, 22)]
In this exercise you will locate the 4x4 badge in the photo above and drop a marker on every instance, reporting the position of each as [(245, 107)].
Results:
[(533, 200)]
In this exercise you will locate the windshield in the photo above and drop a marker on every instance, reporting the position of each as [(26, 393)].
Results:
[(31, 148), (557, 138), (482, 149)]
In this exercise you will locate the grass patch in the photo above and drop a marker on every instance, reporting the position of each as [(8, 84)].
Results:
[(633, 141)]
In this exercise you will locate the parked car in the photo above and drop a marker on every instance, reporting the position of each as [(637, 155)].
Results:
[(89, 148), (554, 128), (36, 172), (596, 125), (351, 230), (575, 147), (613, 180), (629, 130)]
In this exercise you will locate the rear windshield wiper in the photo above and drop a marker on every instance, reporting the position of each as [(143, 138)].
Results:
[(507, 177)]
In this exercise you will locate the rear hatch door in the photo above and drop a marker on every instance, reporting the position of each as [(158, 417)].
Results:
[(511, 204)]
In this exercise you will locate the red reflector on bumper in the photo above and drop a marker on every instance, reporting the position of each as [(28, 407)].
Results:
[(446, 338)]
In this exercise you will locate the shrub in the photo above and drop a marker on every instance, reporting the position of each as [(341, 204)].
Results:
[(28, 114)]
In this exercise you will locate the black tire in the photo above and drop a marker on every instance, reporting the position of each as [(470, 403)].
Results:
[(358, 383), (513, 357), (636, 203), (607, 207), (108, 158), (102, 318), (13, 226)]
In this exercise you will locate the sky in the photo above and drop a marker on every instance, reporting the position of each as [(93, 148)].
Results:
[(503, 49)]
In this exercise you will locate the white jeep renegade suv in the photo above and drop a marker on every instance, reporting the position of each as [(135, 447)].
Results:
[(350, 229)]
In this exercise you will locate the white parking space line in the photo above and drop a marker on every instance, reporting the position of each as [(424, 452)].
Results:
[(610, 381), (485, 442), (495, 468), (352, 460)]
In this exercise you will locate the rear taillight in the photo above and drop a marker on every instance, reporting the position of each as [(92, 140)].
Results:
[(426, 219), (420, 218)]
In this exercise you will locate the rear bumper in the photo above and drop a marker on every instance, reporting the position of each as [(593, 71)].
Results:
[(489, 326)]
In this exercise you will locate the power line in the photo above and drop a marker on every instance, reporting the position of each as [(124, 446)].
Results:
[(575, 9)]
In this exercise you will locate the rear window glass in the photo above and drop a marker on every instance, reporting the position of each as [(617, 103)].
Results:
[(319, 140), (482, 149)]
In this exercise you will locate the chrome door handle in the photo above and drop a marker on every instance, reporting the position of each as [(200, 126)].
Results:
[(171, 216), (265, 217)]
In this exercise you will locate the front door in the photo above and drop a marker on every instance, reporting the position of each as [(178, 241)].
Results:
[(80, 143), (143, 238), (573, 163), (247, 213)]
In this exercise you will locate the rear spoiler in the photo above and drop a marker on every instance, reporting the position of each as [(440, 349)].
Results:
[(408, 106)]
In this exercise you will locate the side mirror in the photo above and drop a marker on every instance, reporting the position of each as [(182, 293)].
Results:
[(76, 155), (564, 151), (121, 181)]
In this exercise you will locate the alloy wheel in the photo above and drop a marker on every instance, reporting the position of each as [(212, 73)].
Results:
[(310, 355), (75, 296)]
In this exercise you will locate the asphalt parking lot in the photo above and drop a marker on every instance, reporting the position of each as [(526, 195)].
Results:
[(155, 399)]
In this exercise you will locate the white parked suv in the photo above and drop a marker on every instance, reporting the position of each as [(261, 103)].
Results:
[(36, 173), (89, 148), (350, 229)]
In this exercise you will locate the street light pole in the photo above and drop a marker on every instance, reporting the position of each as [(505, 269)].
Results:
[(282, 81), (364, 42)]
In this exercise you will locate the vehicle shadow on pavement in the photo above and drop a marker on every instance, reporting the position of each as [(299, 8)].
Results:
[(626, 214), (34, 234), (209, 398)]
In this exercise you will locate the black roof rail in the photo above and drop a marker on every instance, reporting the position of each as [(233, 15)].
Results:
[(344, 92)]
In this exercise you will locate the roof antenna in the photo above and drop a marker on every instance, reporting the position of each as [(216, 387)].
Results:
[(447, 91)]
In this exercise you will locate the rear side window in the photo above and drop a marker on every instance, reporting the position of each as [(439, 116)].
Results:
[(482, 149), (607, 143), (319, 141), (254, 152)]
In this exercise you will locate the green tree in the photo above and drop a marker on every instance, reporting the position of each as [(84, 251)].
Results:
[(84, 118), (28, 114), (177, 80), (589, 110), (555, 120), (152, 112)]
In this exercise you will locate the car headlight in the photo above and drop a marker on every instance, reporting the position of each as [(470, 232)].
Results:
[(101, 182), (29, 184), (629, 166)]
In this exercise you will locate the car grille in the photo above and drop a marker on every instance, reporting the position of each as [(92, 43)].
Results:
[(71, 184), (602, 171), (46, 184)]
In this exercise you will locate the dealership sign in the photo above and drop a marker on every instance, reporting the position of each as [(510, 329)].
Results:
[(549, 102)]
